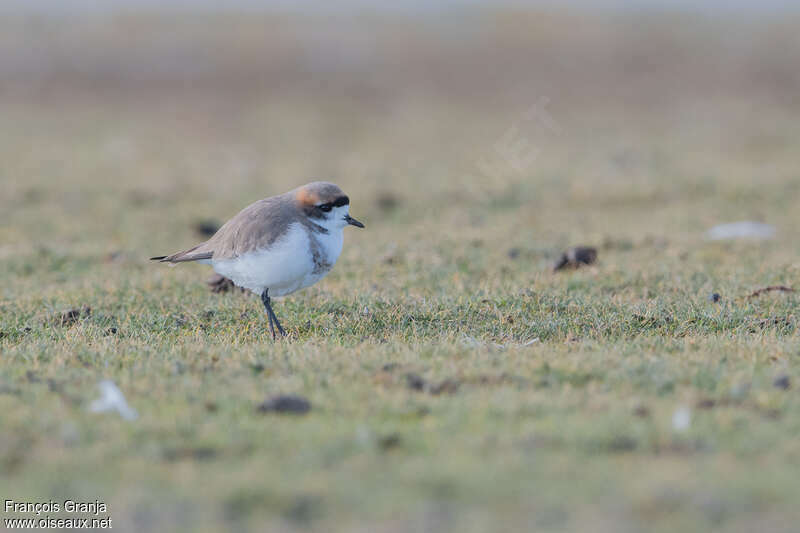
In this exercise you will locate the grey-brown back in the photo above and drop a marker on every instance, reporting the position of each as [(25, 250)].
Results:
[(256, 227)]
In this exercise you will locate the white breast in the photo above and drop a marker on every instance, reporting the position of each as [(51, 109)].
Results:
[(325, 250), (296, 260)]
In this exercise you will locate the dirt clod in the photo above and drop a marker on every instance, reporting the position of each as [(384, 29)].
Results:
[(390, 441), (288, 404), (415, 382), (71, 316), (775, 321), (706, 403), (576, 257), (783, 382)]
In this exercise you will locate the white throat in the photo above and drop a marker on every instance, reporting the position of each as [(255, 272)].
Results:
[(334, 221)]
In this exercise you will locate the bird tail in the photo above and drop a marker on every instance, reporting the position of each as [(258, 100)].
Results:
[(192, 254)]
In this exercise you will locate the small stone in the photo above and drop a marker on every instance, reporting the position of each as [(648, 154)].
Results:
[(285, 404), (783, 382), (415, 381), (388, 442)]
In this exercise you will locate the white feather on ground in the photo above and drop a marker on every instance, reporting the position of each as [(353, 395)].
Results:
[(741, 230), (681, 419), (112, 399)]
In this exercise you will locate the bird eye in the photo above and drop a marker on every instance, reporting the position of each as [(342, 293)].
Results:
[(326, 207)]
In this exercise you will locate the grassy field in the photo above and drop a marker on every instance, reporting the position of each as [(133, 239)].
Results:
[(475, 150)]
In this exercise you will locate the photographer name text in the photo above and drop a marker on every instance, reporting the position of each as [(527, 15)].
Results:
[(43, 512)]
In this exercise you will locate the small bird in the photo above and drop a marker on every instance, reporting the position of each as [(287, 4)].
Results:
[(278, 245)]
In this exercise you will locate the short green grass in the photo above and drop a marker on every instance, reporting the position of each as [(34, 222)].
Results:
[(450, 283)]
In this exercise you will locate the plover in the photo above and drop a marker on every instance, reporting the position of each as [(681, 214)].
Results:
[(278, 245)]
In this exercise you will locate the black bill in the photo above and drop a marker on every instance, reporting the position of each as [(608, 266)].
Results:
[(353, 222)]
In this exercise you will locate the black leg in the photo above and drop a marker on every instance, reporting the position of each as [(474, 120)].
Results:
[(271, 324), (273, 320), (277, 324), (268, 307)]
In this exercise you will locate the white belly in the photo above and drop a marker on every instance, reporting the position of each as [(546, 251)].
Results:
[(296, 260)]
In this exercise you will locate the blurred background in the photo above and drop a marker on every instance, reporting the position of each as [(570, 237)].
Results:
[(182, 109)]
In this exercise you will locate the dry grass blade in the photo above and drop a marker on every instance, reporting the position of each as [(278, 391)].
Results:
[(772, 288)]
